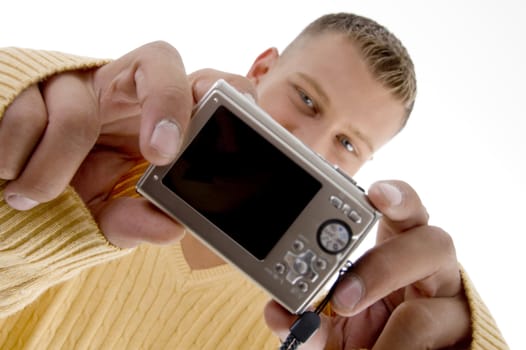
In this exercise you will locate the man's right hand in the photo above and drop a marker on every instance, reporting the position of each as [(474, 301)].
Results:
[(89, 128)]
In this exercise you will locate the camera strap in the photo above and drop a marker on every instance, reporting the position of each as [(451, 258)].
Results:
[(309, 321)]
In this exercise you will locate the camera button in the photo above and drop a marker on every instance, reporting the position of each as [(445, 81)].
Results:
[(298, 245), (354, 216), (303, 286), (300, 266), (321, 264), (280, 268), (334, 236), (336, 202), (346, 209)]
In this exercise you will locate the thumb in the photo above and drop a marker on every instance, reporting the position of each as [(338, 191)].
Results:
[(151, 83), (165, 96), (127, 222), (400, 205)]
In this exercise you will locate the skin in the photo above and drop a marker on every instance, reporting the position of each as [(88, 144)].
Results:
[(405, 293), (324, 102)]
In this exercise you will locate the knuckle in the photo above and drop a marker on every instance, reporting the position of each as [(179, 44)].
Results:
[(415, 322), (73, 110), (31, 115), (204, 74), (163, 48), (442, 240), (380, 263), (77, 136), (176, 91), (27, 112), (23, 124), (76, 126), (161, 45)]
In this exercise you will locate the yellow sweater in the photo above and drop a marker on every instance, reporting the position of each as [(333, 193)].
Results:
[(63, 286)]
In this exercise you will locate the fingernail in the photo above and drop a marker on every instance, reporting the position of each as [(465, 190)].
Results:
[(6, 174), (166, 138), (20, 202), (391, 193), (350, 291)]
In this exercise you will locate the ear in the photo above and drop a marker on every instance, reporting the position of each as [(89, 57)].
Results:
[(262, 65)]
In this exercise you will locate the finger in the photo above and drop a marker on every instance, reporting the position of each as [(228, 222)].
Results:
[(152, 81), (20, 131), (279, 321), (127, 222), (400, 205), (71, 132), (435, 323), (165, 96), (423, 258), (203, 79)]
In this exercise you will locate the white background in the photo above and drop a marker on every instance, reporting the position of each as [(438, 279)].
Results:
[(463, 149)]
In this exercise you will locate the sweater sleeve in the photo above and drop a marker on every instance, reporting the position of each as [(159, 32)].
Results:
[(485, 332), (56, 240)]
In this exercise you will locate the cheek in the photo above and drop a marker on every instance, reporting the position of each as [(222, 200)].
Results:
[(352, 169), (288, 123)]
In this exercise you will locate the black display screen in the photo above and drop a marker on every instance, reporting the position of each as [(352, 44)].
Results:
[(241, 183)]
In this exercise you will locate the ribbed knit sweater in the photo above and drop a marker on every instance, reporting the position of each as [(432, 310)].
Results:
[(64, 286)]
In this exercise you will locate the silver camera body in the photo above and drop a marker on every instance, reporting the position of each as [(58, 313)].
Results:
[(261, 199)]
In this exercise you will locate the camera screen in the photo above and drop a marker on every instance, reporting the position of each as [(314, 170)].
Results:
[(241, 183)]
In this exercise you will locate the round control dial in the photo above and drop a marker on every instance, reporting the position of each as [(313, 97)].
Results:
[(334, 236)]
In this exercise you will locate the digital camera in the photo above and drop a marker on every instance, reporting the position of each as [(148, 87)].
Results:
[(261, 199)]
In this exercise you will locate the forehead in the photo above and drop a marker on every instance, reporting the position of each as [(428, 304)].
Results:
[(329, 56), (334, 61)]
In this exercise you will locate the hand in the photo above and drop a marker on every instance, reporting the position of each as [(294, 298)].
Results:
[(86, 131), (405, 293), (95, 126)]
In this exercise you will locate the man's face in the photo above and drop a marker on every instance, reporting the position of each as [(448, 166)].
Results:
[(323, 92)]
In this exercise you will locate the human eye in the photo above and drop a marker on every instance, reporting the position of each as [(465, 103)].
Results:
[(305, 102), (306, 99), (347, 144)]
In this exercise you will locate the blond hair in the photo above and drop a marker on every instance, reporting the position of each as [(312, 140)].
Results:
[(385, 55)]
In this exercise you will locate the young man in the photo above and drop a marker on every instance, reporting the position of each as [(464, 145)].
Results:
[(345, 87)]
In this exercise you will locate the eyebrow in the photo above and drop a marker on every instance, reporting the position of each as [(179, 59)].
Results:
[(317, 87), (358, 134), (325, 99)]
